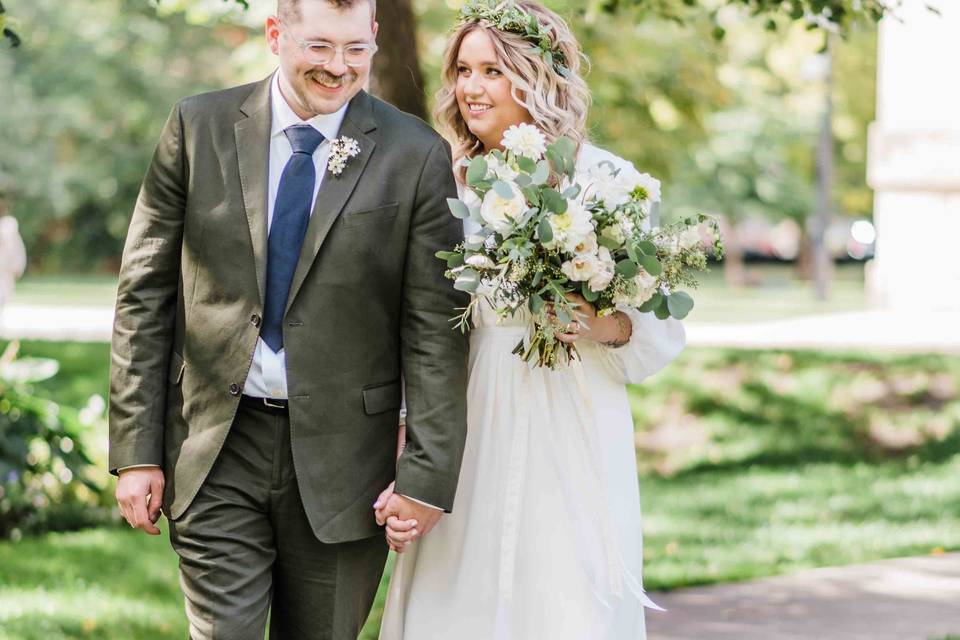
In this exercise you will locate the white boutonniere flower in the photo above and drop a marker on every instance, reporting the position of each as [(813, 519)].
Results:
[(341, 150)]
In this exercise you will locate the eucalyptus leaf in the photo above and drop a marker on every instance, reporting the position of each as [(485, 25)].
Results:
[(503, 190), (679, 304), (536, 304), (627, 269), (541, 172), (662, 311), (477, 172), (458, 208), (572, 192), (554, 202), (647, 247), (589, 294), (526, 164), (651, 265), (545, 231), (652, 303), (609, 243), (468, 280)]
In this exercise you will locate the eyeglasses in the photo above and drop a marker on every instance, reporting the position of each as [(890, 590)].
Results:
[(321, 53)]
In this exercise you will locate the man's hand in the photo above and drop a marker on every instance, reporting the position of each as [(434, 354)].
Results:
[(406, 520), (139, 494)]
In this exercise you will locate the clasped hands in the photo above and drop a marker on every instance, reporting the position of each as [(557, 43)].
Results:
[(405, 519)]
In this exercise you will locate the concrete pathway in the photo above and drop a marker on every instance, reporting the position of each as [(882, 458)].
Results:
[(868, 330), (903, 599)]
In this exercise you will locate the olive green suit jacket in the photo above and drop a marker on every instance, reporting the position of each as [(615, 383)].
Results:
[(368, 300)]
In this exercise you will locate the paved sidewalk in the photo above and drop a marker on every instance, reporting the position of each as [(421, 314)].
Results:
[(903, 599), (868, 330)]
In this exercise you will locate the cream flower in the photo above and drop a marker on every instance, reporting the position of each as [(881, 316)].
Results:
[(646, 285), (579, 245), (525, 140), (614, 232), (576, 223), (500, 170), (689, 238), (480, 261), (501, 213), (581, 268), (602, 279)]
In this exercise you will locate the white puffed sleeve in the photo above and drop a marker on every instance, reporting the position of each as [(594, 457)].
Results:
[(654, 343)]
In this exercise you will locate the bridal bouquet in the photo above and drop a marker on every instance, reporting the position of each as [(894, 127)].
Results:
[(548, 232)]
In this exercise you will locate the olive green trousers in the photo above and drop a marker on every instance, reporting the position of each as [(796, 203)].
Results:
[(246, 549)]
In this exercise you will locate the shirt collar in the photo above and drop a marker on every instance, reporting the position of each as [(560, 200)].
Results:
[(283, 116)]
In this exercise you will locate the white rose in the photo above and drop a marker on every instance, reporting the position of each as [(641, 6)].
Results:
[(525, 140), (614, 232), (500, 170), (602, 279), (480, 261), (581, 268), (581, 244), (690, 238), (646, 286), (499, 212)]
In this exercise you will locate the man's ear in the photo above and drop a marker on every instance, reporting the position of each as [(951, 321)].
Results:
[(272, 31), (376, 28)]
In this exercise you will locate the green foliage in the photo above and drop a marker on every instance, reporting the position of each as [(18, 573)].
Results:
[(45, 473), (84, 100), (825, 14)]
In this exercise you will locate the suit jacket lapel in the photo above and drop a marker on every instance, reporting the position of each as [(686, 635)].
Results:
[(253, 157), (336, 190)]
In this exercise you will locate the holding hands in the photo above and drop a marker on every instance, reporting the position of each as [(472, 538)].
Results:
[(405, 519)]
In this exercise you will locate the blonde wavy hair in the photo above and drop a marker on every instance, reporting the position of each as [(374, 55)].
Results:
[(558, 105)]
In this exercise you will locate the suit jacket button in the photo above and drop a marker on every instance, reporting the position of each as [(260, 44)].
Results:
[(255, 320), (235, 389)]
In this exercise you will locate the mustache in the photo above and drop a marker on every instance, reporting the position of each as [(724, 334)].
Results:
[(323, 75)]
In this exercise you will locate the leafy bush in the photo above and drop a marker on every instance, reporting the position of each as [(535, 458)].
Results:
[(45, 473)]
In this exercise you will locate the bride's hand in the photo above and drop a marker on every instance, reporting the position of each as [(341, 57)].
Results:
[(582, 327), (587, 326)]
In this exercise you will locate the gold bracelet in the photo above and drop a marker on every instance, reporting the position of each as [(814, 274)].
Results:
[(622, 329)]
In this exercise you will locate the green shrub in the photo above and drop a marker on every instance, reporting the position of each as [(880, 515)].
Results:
[(46, 476)]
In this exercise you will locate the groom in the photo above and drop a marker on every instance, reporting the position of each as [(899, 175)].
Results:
[(278, 275)]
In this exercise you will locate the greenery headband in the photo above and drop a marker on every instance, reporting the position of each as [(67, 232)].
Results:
[(506, 16)]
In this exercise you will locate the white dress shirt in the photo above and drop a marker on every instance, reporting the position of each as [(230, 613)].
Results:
[(268, 373)]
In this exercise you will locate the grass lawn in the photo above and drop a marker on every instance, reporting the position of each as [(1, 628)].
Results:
[(775, 293), (751, 464)]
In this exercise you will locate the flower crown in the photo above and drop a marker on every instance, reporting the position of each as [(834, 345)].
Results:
[(507, 16)]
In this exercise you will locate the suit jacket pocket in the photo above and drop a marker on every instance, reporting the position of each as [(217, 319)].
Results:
[(177, 365), (381, 398), (380, 214)]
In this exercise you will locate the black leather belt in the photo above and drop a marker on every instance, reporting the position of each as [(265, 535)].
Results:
[(268, 405)]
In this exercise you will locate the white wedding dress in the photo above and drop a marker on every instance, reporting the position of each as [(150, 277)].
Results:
[(544, 540)]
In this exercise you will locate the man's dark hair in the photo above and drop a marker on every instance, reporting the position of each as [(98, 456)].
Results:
[(289, 10)]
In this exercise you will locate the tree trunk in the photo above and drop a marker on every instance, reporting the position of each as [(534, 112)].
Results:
[(734, 270), (822, 262), (396, 67)]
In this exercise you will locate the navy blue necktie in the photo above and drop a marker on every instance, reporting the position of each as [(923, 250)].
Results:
[(291, 214)]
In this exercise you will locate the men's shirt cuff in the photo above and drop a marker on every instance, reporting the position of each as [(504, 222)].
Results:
[(139, 466), (426, 504)]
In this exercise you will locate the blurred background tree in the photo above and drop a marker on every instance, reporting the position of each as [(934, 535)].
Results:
[(718, 103)]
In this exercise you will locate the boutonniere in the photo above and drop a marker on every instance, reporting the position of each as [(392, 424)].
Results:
[(341, 150)]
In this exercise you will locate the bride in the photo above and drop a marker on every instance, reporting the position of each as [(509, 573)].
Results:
[(544, 540)]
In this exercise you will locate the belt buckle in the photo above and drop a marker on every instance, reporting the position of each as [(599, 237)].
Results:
[(266, 401)]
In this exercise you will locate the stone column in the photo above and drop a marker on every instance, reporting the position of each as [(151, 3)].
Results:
[(914, 161)]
